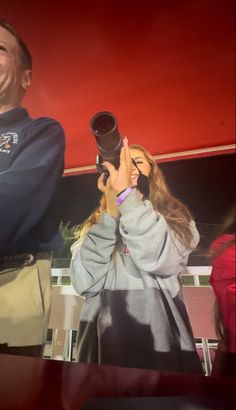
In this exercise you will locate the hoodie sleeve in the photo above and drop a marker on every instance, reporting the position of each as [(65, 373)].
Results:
[(151, 243), (27, 186), (92, 258)]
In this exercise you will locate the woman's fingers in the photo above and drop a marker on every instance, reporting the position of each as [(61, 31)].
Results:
[(122, 157), (125, 142), (109, 166), (128, 158), (101, 185), (125, 158), (120, 178)]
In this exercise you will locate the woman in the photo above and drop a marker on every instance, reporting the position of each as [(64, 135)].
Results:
[(222, 279), (127, 265)]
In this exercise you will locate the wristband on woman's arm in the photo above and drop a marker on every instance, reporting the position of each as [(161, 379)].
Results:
[(122, 195)]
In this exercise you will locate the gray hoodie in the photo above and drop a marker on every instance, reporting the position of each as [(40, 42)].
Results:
[(127, 270)]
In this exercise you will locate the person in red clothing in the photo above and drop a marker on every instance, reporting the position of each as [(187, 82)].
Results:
[(222, 280)]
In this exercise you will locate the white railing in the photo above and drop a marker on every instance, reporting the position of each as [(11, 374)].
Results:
[(195, 271)]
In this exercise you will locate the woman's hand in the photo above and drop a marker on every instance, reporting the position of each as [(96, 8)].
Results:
[(120, 178), (110, 195)]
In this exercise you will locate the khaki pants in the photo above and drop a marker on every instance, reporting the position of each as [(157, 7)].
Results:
[(25, 298)]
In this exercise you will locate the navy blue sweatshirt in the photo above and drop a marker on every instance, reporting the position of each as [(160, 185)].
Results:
[(31, 165)]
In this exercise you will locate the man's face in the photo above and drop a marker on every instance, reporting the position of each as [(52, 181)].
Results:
[(14, 79)]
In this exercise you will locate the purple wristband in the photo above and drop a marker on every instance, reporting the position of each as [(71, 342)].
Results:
[(123, 195)]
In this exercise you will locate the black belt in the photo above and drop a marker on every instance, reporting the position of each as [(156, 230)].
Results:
[(22, 259)]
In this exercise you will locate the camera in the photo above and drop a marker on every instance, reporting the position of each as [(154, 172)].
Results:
[(104, 128)]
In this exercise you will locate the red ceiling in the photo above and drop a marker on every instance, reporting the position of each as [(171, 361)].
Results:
[(165, 68)]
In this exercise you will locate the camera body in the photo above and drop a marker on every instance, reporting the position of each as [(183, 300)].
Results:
[(104, 128)]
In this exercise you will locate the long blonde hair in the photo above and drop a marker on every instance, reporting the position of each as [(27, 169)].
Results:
[(176, 214)]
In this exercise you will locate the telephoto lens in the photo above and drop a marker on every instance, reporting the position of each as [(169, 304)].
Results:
[(104, 127)]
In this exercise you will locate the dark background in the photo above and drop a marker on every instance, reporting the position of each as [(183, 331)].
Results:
[(206, 185)]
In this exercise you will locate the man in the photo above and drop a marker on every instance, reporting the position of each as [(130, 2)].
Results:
[(31, 164)]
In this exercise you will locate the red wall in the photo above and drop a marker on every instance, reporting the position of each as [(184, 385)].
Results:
[(165, 68)]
